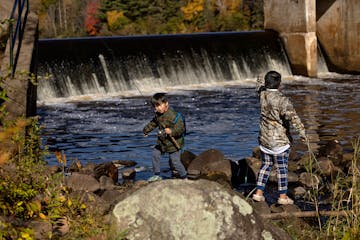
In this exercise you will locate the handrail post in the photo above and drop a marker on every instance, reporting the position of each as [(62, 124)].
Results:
[(11, 47), (19, 31)]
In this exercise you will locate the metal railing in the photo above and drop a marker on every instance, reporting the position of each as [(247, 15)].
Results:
[(17, 33)]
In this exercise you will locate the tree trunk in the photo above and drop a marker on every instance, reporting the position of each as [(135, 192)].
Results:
[(305, 214)]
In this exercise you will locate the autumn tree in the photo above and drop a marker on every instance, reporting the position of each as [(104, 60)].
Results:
[(92, 22), (62, 18), (142, 17), (193, 12)]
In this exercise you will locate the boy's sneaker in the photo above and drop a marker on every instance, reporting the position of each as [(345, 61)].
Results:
[(154, 178), (258, 198), (285, 201)]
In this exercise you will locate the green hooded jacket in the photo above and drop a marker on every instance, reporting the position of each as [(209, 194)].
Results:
[(166, 120)]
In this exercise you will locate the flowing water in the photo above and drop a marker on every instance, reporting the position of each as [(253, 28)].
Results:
[(94, 107)]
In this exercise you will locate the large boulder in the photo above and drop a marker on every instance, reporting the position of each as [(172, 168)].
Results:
[(212, 165), (185, 209)]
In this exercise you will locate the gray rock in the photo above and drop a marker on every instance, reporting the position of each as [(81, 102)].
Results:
[(185, 209), (93, 202), (326, 166), (112, 196), (299, 192), (42, 229), (309, 180), (78, 181), (61, 227), (187, 157), (211, 163), (106, 183), (128, 174)]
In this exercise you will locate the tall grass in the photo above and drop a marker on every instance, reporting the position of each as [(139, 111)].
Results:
[(344, 221), (346, 197)]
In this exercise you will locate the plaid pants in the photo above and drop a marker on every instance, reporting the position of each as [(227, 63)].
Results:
[(281, 164)]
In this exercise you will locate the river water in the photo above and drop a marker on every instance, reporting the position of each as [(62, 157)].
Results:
[(95, 103), (220, 116)]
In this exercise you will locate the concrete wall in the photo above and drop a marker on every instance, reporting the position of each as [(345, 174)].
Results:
[(338, 31), (5, 7), (295, 20), (335, 24), (20, 91)]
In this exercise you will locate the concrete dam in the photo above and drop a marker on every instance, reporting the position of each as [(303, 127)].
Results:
[(303, 26)]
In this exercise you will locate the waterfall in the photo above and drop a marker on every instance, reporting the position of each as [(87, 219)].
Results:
[(107, 65), (322, 66)]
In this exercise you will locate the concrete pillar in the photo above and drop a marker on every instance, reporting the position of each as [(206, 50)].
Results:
[(338, 31), (295, 21)]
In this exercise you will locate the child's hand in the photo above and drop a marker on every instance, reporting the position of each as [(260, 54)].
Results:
[(145, 134), (168, 131), (303, 139)]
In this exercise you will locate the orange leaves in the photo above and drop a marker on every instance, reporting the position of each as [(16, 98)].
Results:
[(11, 131), (92, 22), (7, 135)]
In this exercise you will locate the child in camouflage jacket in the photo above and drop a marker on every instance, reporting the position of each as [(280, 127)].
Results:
[(277, 112)]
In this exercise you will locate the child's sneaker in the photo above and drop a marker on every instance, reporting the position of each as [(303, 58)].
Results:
[(285, 201), (154, 178), (258, 198)]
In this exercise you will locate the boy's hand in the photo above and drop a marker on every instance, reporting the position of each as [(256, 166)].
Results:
[(145, 135), (303, 139), (168, 131)]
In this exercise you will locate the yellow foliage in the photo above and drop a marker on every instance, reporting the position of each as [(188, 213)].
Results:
[(113, 16), (69, 202), (42, 216), (33, 207), (26, 236), (192, 9), (61, 198)]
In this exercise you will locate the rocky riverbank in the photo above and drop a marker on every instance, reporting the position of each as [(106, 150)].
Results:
[(195, 199)]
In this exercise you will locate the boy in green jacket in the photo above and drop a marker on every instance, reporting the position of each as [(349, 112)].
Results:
[(170, 136)]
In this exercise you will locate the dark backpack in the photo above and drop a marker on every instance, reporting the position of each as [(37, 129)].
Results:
[(178, 116)]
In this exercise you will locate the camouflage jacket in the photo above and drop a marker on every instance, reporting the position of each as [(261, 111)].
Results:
[(276, 114), (166, 120)]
